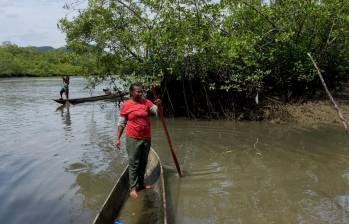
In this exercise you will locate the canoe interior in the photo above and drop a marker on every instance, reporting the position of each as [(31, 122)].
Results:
[(149, 207)]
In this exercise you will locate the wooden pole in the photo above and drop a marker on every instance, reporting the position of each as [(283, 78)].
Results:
[(161, 115), (340, 115)]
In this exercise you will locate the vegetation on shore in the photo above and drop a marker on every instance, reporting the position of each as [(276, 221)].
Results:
[(29, 61), (210, 59), (214, 58)]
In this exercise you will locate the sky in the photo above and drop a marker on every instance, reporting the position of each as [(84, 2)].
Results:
[(32, 22)]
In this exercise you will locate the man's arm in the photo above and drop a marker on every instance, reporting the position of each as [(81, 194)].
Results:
[(121, 125), (154, 108)]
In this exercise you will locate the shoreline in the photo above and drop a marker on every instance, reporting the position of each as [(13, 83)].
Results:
[(314, 112), (310, 112)]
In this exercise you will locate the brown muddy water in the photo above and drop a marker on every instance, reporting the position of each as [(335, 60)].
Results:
[(58, 166)]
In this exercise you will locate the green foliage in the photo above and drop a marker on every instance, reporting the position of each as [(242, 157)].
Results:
[(237, 45), (28, 61)]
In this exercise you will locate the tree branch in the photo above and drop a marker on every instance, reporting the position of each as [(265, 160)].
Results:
[(260, 13), (134, 13), (340, 115)]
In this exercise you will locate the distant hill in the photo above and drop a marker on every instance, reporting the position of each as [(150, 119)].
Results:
[(44, 48)]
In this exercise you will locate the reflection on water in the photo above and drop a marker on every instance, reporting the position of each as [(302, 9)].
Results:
[(65, 114), (59, 166), (292, 175), (56, 164)]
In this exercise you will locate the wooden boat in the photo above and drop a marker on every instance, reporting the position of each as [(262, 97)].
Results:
[(91, 99), (149, 207)]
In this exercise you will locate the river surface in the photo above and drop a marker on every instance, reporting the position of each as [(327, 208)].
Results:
[(57, 165)]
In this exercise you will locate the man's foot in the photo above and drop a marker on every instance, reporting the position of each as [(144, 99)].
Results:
[(133, 194), (61, 98)]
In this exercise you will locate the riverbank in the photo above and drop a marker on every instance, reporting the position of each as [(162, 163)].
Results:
[(308, 113)]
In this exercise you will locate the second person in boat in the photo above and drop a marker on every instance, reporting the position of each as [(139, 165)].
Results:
[(134, 116), (65, 88)]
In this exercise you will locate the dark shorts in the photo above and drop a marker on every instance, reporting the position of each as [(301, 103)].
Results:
[(64, 90)]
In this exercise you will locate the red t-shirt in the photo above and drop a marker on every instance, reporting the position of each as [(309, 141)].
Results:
[(137, 115)]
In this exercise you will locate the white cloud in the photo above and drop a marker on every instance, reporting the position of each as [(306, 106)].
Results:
[(32, 22)]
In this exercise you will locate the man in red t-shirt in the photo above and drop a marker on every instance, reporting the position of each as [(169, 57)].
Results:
[(134, 115)]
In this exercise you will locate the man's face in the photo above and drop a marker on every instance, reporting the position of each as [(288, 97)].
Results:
[(137, 93)]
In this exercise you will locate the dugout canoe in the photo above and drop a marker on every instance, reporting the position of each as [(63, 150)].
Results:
[(91, 99), (152, 202)]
